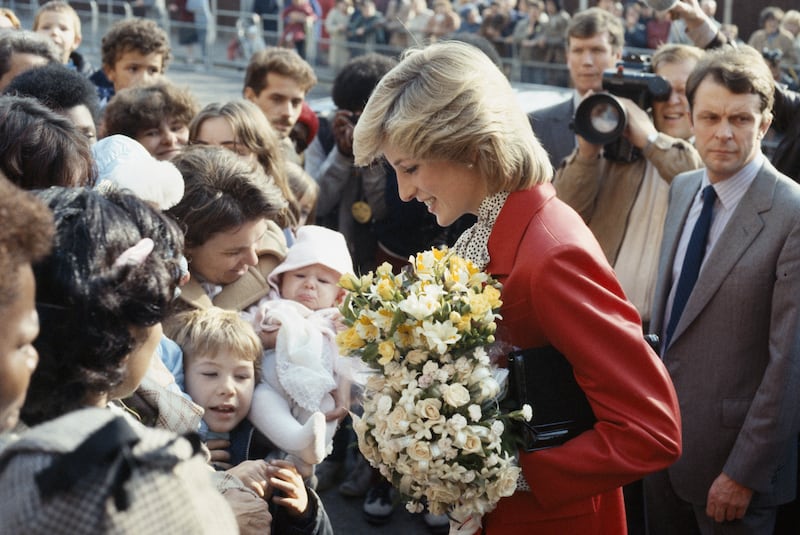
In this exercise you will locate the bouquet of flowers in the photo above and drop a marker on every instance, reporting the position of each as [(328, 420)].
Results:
[(432, 423)]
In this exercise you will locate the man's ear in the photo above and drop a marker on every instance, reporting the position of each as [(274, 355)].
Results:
[(766, 122), (249, 94)]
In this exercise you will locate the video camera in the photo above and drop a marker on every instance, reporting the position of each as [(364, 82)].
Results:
[(601, 118)]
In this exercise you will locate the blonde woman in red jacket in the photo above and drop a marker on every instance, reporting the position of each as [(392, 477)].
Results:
[(447, 120)]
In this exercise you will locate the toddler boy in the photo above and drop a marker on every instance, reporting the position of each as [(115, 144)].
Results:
[(134, 52), (60, 23)]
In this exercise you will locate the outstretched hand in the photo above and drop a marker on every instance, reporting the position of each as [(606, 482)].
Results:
[(253, 474), (283, 476)]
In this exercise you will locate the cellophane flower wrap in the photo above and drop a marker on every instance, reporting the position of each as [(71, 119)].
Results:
[(431, 422)]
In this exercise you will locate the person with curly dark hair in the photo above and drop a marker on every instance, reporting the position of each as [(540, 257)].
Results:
[(157, 116), (39, 148), (64, 91), (98, 307), (25, 237), (133, 52)]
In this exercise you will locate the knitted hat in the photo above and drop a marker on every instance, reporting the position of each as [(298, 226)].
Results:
[(123, 162), (314, 245)]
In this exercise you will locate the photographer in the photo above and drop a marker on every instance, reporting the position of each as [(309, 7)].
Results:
[(624, 203)]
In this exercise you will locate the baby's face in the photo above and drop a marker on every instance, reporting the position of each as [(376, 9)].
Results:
[(223, 386), (314, 286)]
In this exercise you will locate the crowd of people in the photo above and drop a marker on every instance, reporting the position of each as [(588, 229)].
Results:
[(168, 358), (531, 31)]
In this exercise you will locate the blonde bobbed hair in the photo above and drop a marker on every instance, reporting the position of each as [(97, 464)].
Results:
[(448, 101)]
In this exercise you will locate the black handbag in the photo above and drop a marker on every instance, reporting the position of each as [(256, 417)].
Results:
[(543, 378)]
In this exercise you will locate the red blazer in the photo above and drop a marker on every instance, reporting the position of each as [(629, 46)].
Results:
[(559, 289)]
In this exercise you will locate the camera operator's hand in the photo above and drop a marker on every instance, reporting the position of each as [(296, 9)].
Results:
[(639, 125), (690, 11), (343, 125)]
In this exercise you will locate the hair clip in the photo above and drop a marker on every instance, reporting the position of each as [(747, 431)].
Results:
[(134, 256)]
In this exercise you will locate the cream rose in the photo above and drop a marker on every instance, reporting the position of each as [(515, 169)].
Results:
[(456, 395), (429, 408), (419, 451)]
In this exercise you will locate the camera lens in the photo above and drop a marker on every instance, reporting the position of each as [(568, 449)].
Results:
[(600, 119)]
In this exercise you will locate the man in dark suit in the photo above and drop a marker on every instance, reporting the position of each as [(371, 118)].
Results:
[(594, 43), (727, 305)]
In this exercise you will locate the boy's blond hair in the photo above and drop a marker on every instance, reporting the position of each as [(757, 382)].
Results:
[(58, 6), (212, 331)]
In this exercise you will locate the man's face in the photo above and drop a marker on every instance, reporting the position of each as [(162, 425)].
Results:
[(281, 100), (728, 128), (587, 58), (134, 68), (673, 116), (21, 62)]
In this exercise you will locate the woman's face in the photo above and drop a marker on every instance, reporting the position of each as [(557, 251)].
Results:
[(19, 327), (165, 140), (449, 189), (225, 257), (218, 132)]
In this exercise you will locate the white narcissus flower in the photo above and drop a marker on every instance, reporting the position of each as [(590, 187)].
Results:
[(419, 307), (439, 335)]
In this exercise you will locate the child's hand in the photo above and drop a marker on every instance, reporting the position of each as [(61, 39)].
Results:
[(220, 458), (253, 474), (283, 476)]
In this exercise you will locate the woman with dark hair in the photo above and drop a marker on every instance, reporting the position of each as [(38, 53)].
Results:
[(102, 294), (98, 309), (232, 242), (39, 148), (157, 116)]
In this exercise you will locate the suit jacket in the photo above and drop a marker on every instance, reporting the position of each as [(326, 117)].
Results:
[(559, 289), (552, 128), (735, 354)]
